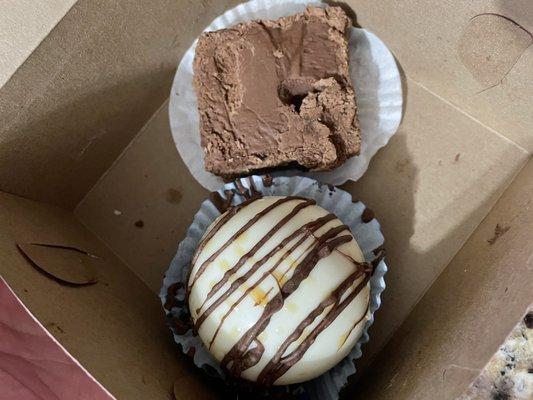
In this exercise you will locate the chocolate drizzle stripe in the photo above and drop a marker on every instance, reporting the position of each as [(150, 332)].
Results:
[(304, 231), (243, 191), (215, 229), (248, 350), (238, 355), (253, 188), (212, 232), (227, 275), (304, 254), (248, 290), (353, 327), (322, 249), (280, 364)]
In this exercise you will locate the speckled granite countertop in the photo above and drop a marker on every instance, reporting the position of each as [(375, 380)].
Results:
[(509, 373)]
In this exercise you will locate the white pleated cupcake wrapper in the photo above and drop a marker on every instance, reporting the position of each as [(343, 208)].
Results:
[(374, 74), (336, 201)]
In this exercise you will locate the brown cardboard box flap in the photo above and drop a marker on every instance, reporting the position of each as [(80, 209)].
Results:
[(116, 328), (83, 94), (475, 55), (79, 130), (467, 313)]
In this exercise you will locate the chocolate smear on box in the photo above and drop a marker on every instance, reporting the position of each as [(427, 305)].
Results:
[(65, 264), (249, 349)]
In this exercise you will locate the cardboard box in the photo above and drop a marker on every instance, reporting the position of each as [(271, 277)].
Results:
[(87, 160)]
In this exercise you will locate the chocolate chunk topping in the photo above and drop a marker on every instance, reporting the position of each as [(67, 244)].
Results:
[(367, 216), (222, 203), (181, 325)]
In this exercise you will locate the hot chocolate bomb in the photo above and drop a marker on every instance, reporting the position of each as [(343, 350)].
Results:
[(278, 290)]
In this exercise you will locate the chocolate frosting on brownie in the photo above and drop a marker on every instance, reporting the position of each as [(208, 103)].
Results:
[(275, 93)]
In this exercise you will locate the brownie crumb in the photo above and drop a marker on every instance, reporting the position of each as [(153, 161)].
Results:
[(55, 327), (267, 180)]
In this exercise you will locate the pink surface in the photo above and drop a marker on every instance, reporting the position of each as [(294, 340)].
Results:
[(33, 365)]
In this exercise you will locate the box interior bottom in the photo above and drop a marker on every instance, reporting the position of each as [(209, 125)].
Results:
[(115, 328)]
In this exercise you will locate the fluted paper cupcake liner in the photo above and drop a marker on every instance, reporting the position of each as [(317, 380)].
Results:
[(374, 74), (365, 230)]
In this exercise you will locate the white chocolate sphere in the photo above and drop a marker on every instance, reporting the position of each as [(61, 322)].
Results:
[(278, 290)]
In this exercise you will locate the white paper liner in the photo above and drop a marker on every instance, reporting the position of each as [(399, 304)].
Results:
[(336, 201), (373, 71)]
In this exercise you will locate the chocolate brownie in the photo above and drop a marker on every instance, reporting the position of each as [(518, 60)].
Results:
[(277, 93)]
